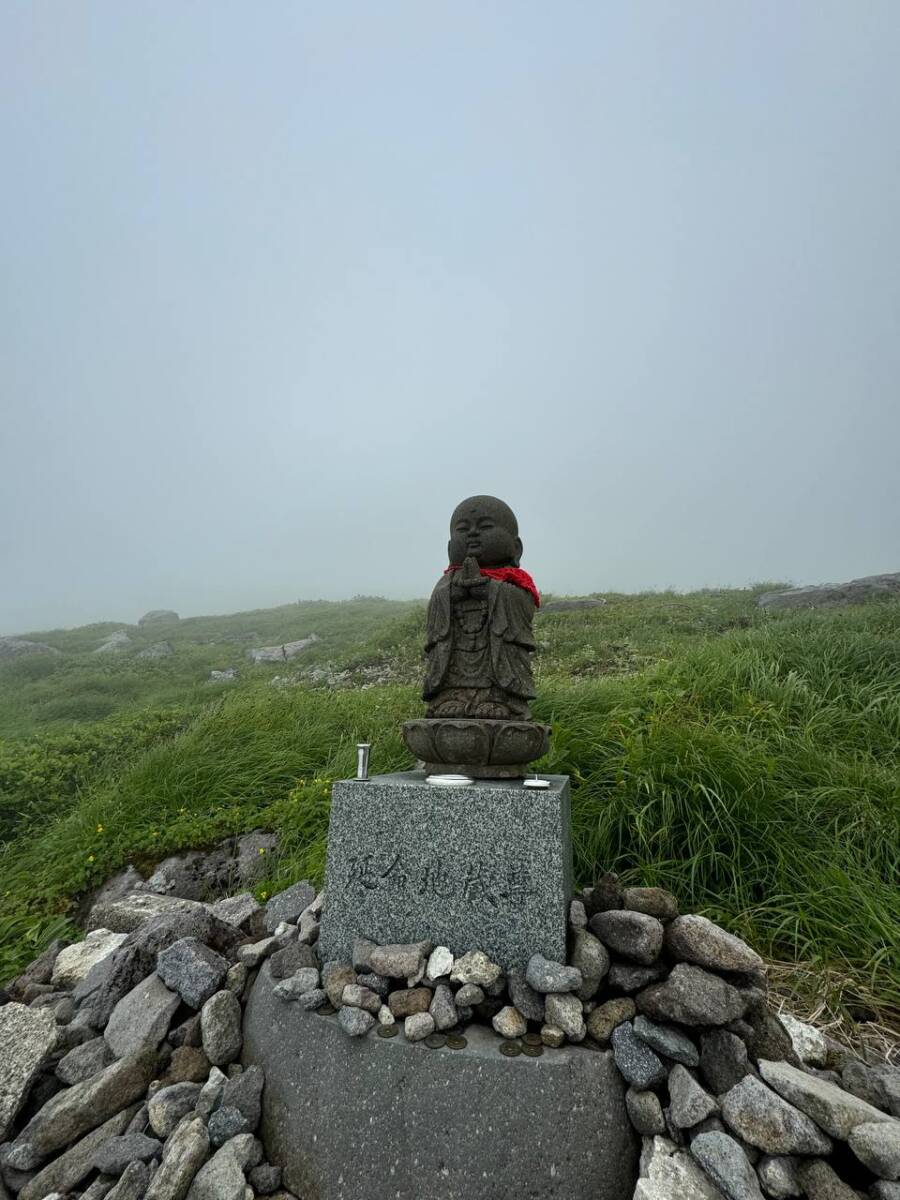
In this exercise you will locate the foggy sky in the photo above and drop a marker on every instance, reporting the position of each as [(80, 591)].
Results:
[(281, 283)]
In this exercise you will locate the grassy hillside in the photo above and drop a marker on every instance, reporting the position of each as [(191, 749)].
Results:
[(749, 762)]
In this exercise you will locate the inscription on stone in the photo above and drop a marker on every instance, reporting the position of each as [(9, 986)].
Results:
[(489, 886)]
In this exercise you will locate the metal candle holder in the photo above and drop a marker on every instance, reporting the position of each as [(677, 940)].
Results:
[(362, 759)]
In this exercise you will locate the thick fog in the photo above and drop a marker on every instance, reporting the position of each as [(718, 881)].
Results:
[(280, 283)]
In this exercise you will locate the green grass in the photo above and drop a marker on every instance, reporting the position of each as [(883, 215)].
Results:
[(749, 763)]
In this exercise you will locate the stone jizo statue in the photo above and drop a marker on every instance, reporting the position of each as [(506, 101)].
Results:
[(478, 649)]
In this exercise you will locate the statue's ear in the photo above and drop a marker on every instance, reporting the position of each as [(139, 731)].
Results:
[(518, 550), (449, 553)]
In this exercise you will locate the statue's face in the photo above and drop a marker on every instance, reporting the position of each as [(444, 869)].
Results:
[(485, 530)]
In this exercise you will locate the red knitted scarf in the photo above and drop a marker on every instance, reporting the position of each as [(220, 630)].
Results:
[(508, 575)]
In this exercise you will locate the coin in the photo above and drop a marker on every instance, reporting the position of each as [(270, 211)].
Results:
[(434, 1041), (510, 1049), (532, 1039), (457, 1042), (387, 1031), (532, 1050), (327, 1010)]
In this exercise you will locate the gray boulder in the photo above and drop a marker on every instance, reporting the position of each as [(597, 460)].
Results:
[(820, 1182), (546, 976), (133, 1182), (13, 647), (668, 1173), (637, 1063), (114, 642), (289, 904), (69, 1169), (84, 1061), (114, 1155), (220, 1024), (689, 1104), (697, 940), (836, 1111), (692, 996), (778, 1175), (184, 1154), (74, 963), (26, 1037), (192, 970), (591, 958), (762, 1118), (283, 653), (645, 1112), (141, 1019), (877, 1146), (244, 1093), (167, 1106), (723, 1060), (828, 595), (222, 1178), (667, 1040), (727, 1165), (156, 650), (635, 935), (226, 1123)]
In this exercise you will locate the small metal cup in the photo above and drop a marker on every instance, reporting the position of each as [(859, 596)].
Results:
[(362, 759)]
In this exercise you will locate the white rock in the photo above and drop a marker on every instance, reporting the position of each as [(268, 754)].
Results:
[(385, 1016), (510, 1023), (808, 1042), (440, 963), (73, 963), (26, 1036), (418, 1026), (668, 1173)]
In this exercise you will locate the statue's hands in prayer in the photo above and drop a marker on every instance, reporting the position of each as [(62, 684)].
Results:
[(470, 576)]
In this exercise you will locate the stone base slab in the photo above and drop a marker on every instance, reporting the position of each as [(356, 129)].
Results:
[(485, 867), (384, 1119)]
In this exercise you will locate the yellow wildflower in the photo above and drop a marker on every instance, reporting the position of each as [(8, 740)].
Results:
[(99, 828), (90, 858)]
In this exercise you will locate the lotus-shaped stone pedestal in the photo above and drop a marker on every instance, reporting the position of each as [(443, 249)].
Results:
[(482, 748)]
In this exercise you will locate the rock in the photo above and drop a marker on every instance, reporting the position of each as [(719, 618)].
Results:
[(634, 935), (553, 1036), (141, 1018), (835, 1110), (407, 1001), (668, 1173), (778, 1176), (590, 957), (443, 1008), (606, 894), (286, 962), (243, 910), (99, 1189), (768, 1037), (645, 1112), (546, 976), (808, 1042), (877, 1146), (13, 647), (357, 996), (418, 1026), (637, 1063), (156, 650), (133, 1182), (440, 963), (26, 1037), (385, 1016), (211, 1093), (81, 1108), (878, 1086), (629, 978), (283, 653), (222, 1178), (830, 594), (723, 1160), (184, 1153), (220, 1024), (114, 642), (471, 994), (667, 1040), (188, 1065), (882, 1190), (723, 1060), (225, 1123), (765, 1120), (529, 1002), (265, 1179), (158, 616), (125, 914), (167, 1106), (113, 1156), (38, 971), (244, 1093), (475, 967), (375, 983), (697, 940), (654, 901), (84, 1061), (229, 675), (69, 1169), (356, 1022), (689, 1104), (289, 904), (307, 980), (510, 1023), (192, 970), (74, 962), (361, 953), (335, 977), (604, 1019), (819, 1182), (691, 996), (577, 915), (564, 1010)]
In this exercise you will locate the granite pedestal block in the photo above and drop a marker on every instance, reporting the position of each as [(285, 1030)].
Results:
[(486, 867), (386, 1119)]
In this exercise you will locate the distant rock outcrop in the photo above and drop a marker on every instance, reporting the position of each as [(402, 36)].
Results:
[(158, 616), (278, 654), (13, 647), (826, 595), (116, 641), (157, 650)]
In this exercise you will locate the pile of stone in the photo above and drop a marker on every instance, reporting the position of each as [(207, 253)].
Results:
[(730, 1100), (120, 1075), (119, 1071)]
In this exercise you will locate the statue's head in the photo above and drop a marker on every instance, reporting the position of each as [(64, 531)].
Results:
[(486, 528)]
